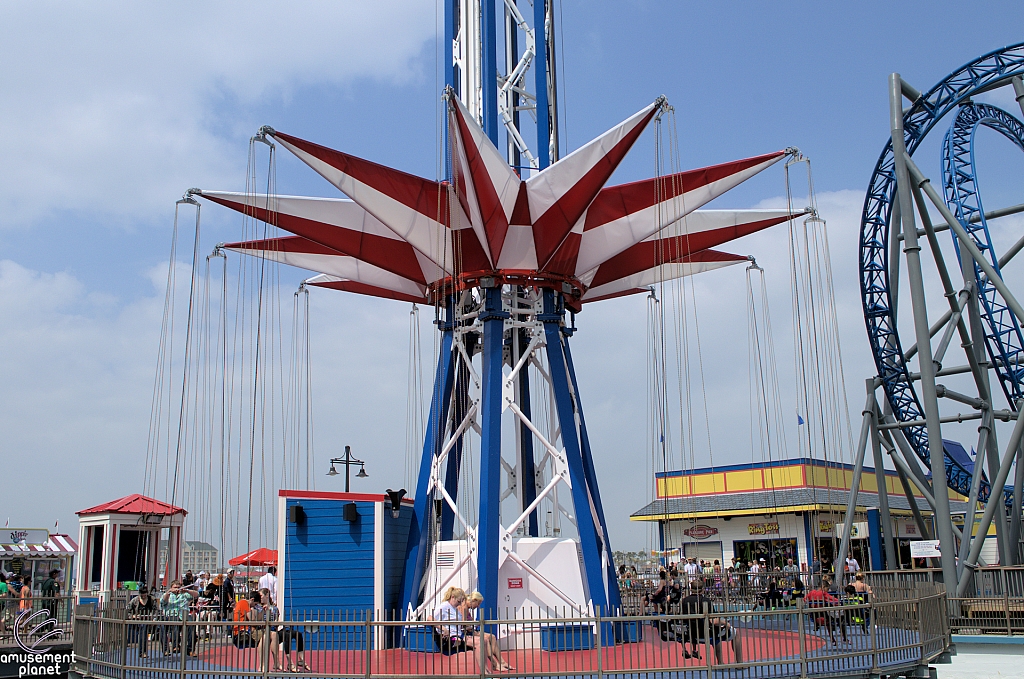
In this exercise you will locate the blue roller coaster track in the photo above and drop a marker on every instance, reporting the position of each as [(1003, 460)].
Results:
[(1003, 336), (991, 70)]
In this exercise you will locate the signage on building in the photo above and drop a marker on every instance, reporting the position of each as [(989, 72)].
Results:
[(700, 532), (858, 530), (770, 528), (925, 549), (30, 536), (515, 583), (907, 529), (826, 526)]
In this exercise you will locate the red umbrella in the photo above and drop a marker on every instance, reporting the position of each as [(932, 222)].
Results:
[(257, 557)]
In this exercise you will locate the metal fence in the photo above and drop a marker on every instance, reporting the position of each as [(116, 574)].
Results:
[(39, 620), (853, 639)]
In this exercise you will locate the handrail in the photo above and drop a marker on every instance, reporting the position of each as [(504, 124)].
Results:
[(879, 635)]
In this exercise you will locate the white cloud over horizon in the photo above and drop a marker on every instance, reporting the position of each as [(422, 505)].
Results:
[(108, 107)]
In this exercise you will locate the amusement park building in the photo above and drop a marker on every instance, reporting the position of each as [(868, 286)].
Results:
[(777, 510)]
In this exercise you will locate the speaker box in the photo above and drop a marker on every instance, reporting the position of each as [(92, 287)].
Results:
[(296, 514), (351, 512)]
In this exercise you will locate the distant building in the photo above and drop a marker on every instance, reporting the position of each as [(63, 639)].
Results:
[(196, 556)]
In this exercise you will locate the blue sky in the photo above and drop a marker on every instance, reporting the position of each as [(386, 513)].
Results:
[(112, 110)]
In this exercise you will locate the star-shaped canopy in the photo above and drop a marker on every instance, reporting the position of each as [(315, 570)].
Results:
[(403, 237)]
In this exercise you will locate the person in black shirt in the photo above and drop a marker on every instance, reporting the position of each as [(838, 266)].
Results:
[(718, 629), (141, 607), (227, 595)]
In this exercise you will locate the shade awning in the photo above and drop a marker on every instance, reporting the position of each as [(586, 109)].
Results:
[(257, 557), (58, 545)]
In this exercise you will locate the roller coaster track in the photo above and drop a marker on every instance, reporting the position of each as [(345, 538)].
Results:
[(986, 72)]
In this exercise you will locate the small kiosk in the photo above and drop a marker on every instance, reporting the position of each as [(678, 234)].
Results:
[(36, 552), (121, 545)]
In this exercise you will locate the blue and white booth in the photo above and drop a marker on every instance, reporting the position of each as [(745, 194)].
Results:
[(341, 556)]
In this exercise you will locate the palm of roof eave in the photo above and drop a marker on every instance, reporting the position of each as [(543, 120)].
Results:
[(551, 215)]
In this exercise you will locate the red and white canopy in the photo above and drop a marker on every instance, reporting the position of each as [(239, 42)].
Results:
[(400, 236)]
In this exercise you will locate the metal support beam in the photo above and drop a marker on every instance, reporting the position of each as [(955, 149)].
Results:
[(965, 240), (1015, 509), (922, 525), (990, 215), (567, 409), (993, 504), (540, 74), (437, 420), (909, 457), (858, 468), (882, 483), (611, 577), (489, 75), (972, 499), (459, 407), (491, 405), (527, 463), (914, 272)]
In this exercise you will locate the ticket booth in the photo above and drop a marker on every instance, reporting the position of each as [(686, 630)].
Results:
[(120, 545)]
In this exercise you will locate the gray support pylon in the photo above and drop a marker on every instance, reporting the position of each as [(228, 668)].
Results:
[(858, 469), (909, 458), (977, 353), (965, 240), (971, 347), (970, 516), (912, 250), (993, 503), (922, 525), (881, 482), (1015, 512), (1002, 526)]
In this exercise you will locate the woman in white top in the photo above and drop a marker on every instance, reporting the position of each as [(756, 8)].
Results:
[(488, 643), (452, 636)]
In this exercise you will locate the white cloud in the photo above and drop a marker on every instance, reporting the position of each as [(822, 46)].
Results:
[(109, 106)]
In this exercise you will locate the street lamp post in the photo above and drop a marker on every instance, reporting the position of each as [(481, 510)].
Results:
[(348, 461)]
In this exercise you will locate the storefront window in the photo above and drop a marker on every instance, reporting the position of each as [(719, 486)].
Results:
[(774, 552)]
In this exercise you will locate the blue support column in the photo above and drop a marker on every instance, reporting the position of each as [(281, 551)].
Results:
[(614, 598), (460, 404), (589, 543), (489, 70), (809, 539), (527, 463), (448, 54), (540, 72), (874, 541), (489, 521), (419, 530)]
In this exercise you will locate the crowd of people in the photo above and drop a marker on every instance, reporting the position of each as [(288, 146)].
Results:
[(17, 597), (694, 588), (206, 598)]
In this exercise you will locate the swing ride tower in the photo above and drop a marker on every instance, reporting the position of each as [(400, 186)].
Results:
[(981, 314), (507, 247)]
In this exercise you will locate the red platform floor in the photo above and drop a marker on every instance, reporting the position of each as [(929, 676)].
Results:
[(650, 654)]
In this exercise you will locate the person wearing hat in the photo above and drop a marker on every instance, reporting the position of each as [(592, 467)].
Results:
[(141, 607), (202, 580)]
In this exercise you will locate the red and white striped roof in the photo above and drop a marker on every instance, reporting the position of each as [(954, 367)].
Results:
[(402, 237), (57, 545)]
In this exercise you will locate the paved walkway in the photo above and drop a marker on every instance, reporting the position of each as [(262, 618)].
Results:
[(975, 661)]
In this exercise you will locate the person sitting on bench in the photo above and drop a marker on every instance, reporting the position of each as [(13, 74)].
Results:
[(451, 638)]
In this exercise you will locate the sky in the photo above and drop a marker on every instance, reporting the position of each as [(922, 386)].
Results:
[(113, 110)]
